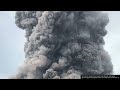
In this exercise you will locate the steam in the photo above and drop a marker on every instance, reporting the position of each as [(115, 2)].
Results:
[(63, 44)]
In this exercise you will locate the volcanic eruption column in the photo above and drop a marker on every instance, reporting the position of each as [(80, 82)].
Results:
[(63, 44)]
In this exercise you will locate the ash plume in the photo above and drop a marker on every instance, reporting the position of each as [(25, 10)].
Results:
[(63, 44)]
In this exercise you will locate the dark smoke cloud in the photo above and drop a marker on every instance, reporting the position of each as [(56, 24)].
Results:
[(63, 44)]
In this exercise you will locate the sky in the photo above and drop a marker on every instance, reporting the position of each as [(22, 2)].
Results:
[(12, 43), (112, 39)]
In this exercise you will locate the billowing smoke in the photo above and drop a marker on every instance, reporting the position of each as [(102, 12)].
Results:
[(63, 44)]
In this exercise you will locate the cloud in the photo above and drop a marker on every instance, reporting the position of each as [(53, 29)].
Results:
[(63, 44)]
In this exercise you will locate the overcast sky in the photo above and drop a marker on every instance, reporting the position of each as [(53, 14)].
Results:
[(112, 39), (12, 43)]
